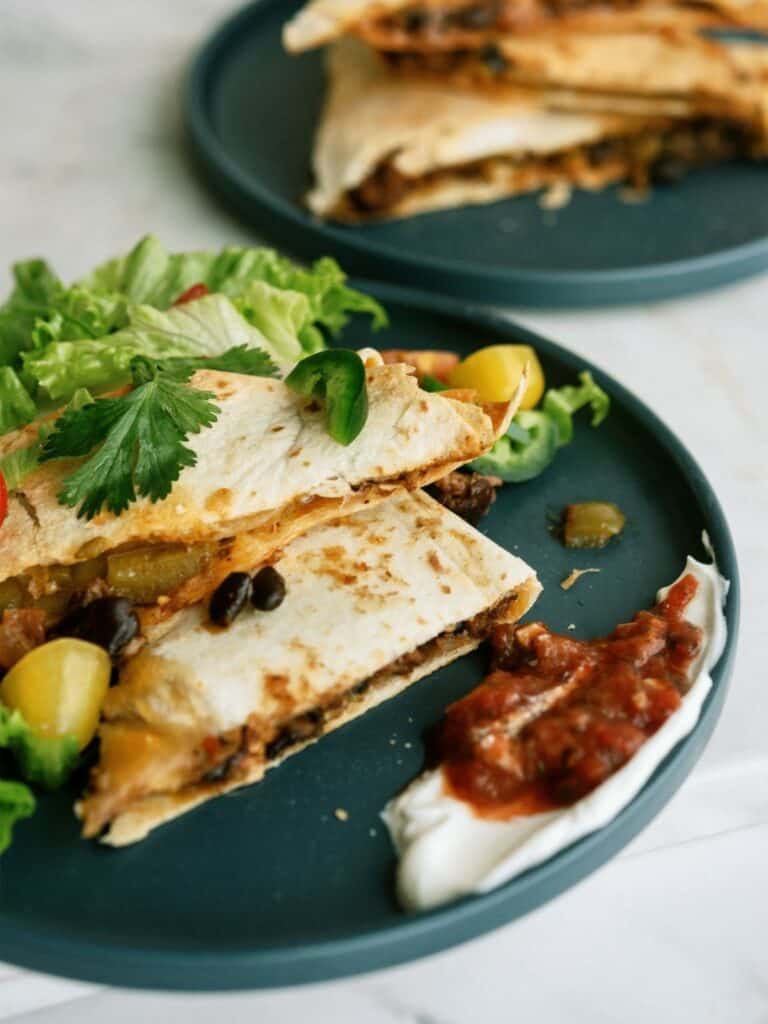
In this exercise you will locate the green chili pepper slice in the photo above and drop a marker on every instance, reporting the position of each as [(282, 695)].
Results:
[(432, 384), (524, 452), (335, 377)]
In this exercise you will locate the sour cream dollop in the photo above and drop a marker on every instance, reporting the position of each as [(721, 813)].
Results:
[(446, 851)]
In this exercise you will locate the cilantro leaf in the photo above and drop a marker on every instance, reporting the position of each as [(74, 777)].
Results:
[(17, 466), (252, 362), (135, 442)]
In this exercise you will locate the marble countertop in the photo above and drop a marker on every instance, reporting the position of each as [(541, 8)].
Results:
[(674, 928)]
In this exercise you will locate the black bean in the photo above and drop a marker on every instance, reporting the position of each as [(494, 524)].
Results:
[(268, 589), (494, 59), (230, 598), (222, 771), (109, 622)]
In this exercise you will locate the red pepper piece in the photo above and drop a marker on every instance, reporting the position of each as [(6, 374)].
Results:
[(197, 291)]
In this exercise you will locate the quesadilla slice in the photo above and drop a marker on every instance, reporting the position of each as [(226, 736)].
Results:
[(433, 26), (372, 603), (436, 146), (265, 472)]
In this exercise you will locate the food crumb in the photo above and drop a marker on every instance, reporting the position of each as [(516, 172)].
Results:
[(556, 196), (341, 814), (571, 626), (634, 196), (575, 576), (393, 742), (408, 746), (372, 833)]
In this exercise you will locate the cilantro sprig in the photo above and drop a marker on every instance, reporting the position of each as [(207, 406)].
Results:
[(135, 443)]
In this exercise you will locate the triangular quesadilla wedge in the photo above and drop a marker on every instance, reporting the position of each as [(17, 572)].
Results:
[(436, 146), (266, 471), (431, 26), (372, 603)]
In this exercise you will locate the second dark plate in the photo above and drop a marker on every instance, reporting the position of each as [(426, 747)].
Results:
[(252, 110)]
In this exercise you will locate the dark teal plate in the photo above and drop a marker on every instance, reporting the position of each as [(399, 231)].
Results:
[(251, 111), (267, 887)]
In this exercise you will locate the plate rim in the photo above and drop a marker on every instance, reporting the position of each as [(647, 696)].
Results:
[(143, 965), (306, 237)]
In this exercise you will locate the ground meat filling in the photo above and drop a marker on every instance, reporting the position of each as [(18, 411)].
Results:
[(228, 755), (641, 159), (21, 630), (469, 495), (420, 26)]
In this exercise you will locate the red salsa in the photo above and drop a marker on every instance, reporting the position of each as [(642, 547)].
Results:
[(557, 716)]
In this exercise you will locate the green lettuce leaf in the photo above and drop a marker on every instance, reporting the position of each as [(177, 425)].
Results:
[(150, 275), (78, 314), (205, 327), (34, 292), (533, 438), (16, 404), (280, 316), (46, 761), (562, 404), (331, 301), (41, 310), (16, 802), (58, 338)]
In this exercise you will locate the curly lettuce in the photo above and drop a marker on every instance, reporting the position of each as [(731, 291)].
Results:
[(16, 404), (150, 275), (57, 338), (206, 327)]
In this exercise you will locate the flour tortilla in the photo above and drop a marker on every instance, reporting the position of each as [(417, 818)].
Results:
[(363, 595), (267, 471), (323, 21), (429, 131), (728, 80)]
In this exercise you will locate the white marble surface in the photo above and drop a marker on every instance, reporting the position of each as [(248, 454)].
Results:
[(674, 929)]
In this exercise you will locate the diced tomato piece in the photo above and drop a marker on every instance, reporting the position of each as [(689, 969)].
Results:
[(197, 291), (427, 362)]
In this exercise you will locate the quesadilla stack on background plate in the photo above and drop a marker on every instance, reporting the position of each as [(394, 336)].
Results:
[(441, 104), (201, 712)]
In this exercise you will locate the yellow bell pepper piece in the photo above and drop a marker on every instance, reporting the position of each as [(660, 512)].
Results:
[(494, 373), (59, 688)]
